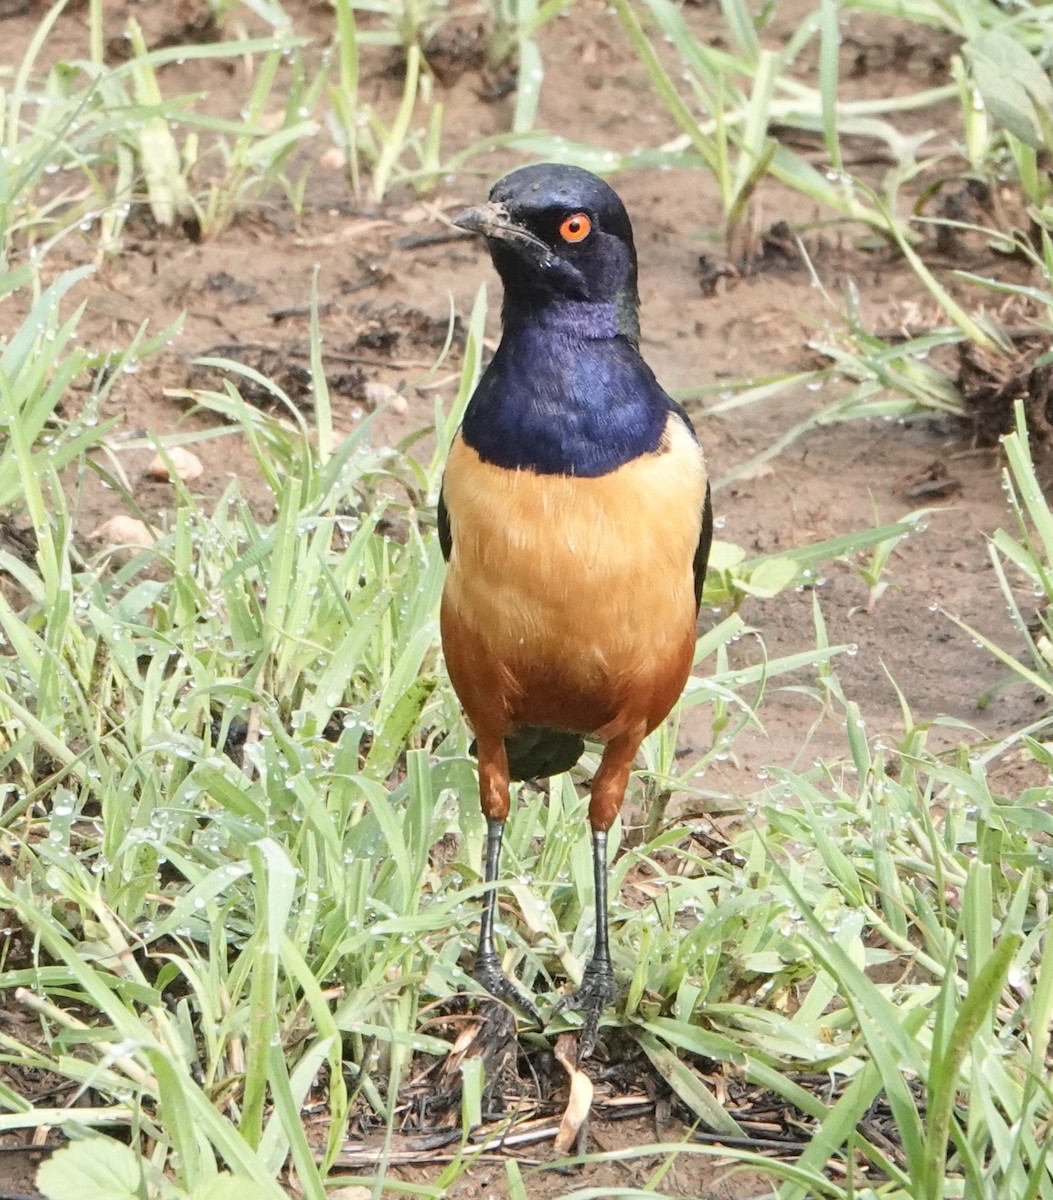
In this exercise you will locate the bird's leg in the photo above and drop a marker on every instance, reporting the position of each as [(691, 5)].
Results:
[(487, 971), (597, 981), (598, 988)]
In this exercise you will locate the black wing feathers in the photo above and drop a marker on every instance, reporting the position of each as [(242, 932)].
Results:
[(442, 517), (705, 540)]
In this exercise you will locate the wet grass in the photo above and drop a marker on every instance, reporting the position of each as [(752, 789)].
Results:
[(226, 756)]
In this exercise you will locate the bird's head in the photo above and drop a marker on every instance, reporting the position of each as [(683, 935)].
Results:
[(558, 236)]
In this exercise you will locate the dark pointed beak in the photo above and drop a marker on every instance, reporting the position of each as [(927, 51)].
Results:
[(492, 221), (478, 220)]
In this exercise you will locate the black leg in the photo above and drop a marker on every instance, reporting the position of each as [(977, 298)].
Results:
[(487, 965), (597, 983)]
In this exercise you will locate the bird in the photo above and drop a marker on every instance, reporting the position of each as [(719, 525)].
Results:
[(575, 518)]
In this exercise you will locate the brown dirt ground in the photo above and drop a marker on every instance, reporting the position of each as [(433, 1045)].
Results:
[(386, 291)]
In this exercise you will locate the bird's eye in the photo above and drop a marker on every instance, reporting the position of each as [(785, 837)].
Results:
[(575, 228)]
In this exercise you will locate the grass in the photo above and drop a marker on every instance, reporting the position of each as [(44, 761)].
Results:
[(743, 108), (226, 757)]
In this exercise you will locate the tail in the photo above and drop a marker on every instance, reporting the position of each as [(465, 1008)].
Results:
[(537, 751)]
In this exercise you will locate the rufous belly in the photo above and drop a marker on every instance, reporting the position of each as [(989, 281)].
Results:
[(570, 601)]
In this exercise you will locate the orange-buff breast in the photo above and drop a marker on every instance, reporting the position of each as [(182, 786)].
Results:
[(569, 601)]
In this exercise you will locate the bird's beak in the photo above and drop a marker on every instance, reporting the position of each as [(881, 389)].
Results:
[(480, 220), (493, 222)]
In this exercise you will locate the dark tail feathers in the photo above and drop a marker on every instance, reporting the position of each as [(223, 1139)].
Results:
[(536, 751)]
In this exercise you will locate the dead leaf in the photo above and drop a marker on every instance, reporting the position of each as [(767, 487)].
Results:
[(382, 395), (580, 1102), (649, 889)]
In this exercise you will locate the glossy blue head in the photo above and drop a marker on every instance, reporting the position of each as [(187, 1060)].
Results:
[(566, 392), (562, 243)]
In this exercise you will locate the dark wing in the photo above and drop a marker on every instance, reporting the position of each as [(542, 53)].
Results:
[(445, 533), (705, 539)]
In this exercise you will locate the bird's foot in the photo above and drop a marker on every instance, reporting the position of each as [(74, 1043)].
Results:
[(597, 991), (487, 971)]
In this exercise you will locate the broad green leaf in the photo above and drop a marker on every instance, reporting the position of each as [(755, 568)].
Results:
[(1015, 89), (97, 1168)]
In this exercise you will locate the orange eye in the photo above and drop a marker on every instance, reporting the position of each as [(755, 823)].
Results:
[(576, 228)]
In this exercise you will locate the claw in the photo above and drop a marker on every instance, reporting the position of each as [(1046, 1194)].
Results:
[(597, 991), (487, 971)]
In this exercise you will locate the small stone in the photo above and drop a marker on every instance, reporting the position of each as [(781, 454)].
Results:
[(124, 531), (187, 466), (333, 159)]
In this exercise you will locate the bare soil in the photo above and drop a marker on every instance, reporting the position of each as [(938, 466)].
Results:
[(385, 279)]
